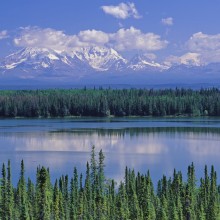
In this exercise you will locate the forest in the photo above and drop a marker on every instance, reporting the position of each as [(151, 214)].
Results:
[(109, 102), (93, 196)]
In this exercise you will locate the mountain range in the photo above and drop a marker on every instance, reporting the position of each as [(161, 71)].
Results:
[(101, 65)]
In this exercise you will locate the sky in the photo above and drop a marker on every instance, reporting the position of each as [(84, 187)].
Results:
[(168, 31)]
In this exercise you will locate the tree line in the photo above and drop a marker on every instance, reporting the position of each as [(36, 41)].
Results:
[(93, 196), (105, 102)]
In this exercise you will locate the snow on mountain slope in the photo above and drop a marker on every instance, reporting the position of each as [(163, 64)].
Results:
[(141, 62), (38, 61), (35, 57), (87, 61), (81, 60), (100, 58)]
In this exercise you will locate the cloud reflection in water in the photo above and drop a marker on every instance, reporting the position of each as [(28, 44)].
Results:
[(157, 150)]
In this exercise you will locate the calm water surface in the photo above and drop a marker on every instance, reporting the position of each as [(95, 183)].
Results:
[(159, 145)]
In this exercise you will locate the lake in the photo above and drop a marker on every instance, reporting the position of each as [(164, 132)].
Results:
[(157, 144)]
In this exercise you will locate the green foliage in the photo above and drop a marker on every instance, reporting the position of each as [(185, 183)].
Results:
[(107, 102), (97, 198), (43, 194), (22, 196)]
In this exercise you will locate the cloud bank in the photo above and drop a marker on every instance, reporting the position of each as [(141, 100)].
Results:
[(199, 49), (122, 11), (192, 59), (122, 40), (202, 49), (208, 46), (134, 39)]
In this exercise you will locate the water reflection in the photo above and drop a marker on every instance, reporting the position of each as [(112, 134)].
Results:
[(160, 149)]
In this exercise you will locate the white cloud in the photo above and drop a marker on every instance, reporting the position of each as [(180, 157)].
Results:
[(3, 34), (134, 39), (93, 36), (58, 40), (167, 21), (49, 38), (123, 39), (208, 46), (193, 59), (122, 10), (200, 42), (201, 49)]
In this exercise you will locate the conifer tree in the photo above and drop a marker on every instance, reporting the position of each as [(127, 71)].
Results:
[(201, 213), (31, 199), (93, 168), (74, 194), (43, 195), (101, 175), (88, 193), (213, 212), (133, 204), (56, 201), (94, 181), (9, 206), (174, 212), (22, 202), (206, 191), (65, 195), (134, 198), (122, 210), (162, 212), (3, 193), (191, 193), (111, 206)]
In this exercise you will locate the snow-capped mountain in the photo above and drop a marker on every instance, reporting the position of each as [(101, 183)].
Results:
[(89, 63), (100, 58), (38, 61), (35, 57), (142, 62), (83, 60)]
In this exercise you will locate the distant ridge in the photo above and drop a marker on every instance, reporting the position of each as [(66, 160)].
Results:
[(99, 65)]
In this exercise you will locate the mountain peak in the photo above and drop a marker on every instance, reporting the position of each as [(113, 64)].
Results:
[(42, 57), (80, 62), (99, 58), (141, 62)]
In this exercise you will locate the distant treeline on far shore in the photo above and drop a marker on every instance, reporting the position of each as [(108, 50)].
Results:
[(109, 102)]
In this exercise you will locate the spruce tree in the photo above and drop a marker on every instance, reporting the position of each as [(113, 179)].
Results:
[(94, 181), (31, 199), (213, 213), (74, 194), (43, 197), (101, 175), (22, 202), (9, 206), (3, 213), (56, 202), (122, 209), (88, 193), (191, 193)]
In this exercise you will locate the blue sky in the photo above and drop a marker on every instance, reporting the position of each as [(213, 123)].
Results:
[(167, 30)]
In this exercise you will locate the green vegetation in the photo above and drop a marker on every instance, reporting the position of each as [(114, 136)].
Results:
[(106, 102), (95, 197)]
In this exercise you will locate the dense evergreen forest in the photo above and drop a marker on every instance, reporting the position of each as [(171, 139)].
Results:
[(105, 102), (93, 196)]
